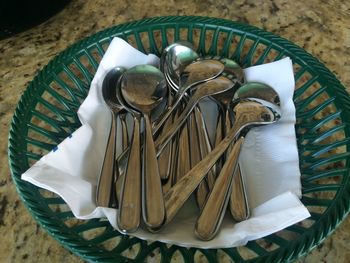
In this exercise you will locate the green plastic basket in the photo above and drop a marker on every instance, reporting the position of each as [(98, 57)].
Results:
[(46, 114)]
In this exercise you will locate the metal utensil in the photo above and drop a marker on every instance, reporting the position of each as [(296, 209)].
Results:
[(233, 71), (174, 59), (200, 146), (129, 183), (143, 87), (247, 113), (238, 203), (211, 216), (224, 123), (105, 193), (165, 158), (174, 163)]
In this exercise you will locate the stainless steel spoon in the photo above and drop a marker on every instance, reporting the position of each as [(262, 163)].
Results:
[(238, 203), (174, 59), (233, 71), (129, 183), (224, 123), (211, 216), (143, 87), (248, 113), (105, 193), (178, 56)]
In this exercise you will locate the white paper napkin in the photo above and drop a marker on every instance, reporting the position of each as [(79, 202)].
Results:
[(269, 162)]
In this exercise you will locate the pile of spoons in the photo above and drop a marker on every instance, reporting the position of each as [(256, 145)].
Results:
[(170, 155)]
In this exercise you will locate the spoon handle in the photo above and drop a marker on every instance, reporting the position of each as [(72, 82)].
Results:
[(195, 156), (219, 135), (124, 132), (174, 159), (180, 192), (239, 207), (204, 145), (238, 203), (118, 179), (168, 134), (130, 198), (211, 216), (164, 162), (106, 178), (168, 112), (173, 166), (122, 158), (165, 159), (153, 210), (183, 164)]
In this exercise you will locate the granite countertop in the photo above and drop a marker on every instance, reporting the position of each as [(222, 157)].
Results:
[(319, 26)]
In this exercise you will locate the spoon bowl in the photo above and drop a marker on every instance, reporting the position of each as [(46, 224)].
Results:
[(233, 69), (259, 91), (176, 57), (109, 90), (143, 87)]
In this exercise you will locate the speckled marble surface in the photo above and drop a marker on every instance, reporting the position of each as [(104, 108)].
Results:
[(319, 26)]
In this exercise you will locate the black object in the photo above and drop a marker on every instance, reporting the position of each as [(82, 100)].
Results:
[(19, 15)]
